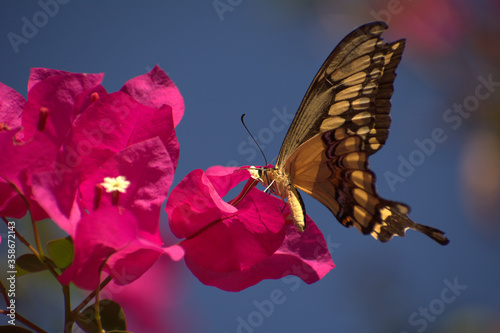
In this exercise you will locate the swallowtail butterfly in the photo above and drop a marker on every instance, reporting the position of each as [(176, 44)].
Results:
[(342, 120)]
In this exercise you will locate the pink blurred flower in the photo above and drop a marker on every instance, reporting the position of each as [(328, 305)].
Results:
[(235, 245), (150, 302), (437, 26)]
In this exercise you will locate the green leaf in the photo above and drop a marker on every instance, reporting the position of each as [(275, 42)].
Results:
[(61, 251), (20, 271), (112, 317), (29, 263), (14, 329)]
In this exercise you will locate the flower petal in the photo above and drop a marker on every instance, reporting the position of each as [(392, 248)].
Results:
[(98, 235), (234, 247), (148, 167), (195, 203), (113, 237), (225, 178), (238, 242), (112, 123), (55, 96), (39, 74), (304, 254), (11, 108), (18, 164), (11, 203), (56, 193), (155, 89)]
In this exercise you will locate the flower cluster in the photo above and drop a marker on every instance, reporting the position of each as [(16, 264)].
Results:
[(100, 165), (68, 141)]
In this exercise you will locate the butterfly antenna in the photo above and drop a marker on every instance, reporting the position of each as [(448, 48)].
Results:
[(243, 122)]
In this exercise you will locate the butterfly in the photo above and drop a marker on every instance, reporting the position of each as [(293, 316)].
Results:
[(342, 120)]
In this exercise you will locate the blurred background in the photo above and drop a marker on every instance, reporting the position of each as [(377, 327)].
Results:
[(230, 57)]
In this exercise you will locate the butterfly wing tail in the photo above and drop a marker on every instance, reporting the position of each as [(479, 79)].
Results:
[(394, 220), (433, 233)]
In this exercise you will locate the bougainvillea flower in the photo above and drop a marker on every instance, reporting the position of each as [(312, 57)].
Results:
[(234, 245), (60, 146), (71, 127), (146, 165), (150, 303), (122, 226), (113, 238)]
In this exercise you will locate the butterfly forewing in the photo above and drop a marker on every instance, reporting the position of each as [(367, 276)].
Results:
[(344, 92)]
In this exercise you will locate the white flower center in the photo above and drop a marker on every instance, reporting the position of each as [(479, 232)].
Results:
[(119, 184)]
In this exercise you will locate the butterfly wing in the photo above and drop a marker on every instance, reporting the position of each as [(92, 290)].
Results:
[(343, 119), (333, 168), (352, 89)]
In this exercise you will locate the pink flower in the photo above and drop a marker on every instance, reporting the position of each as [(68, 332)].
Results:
[(71, 127), (115, 239), (235, 245), (150, 302), (69, 141), (146, 165)]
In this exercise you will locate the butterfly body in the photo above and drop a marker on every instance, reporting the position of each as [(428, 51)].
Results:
[(342, 120), (280, 184)]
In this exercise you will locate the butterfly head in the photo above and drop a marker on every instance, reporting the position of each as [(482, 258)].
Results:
[(262, 174), (271, 178)]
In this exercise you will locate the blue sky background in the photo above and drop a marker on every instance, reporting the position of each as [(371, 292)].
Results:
[(259, 58)]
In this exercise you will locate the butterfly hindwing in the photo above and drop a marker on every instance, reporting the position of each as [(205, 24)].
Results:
[(343, 182)]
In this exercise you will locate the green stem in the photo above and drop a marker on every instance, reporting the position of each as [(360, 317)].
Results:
[(35, 252), (90, 297), (40, 257), (39, 254), (22, 239), (4, 293), (37, 240), (68, 316), (98, 300), (26, 322), (96, 309)]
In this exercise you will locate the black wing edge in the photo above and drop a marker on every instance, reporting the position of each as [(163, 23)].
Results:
[(398, 222)]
